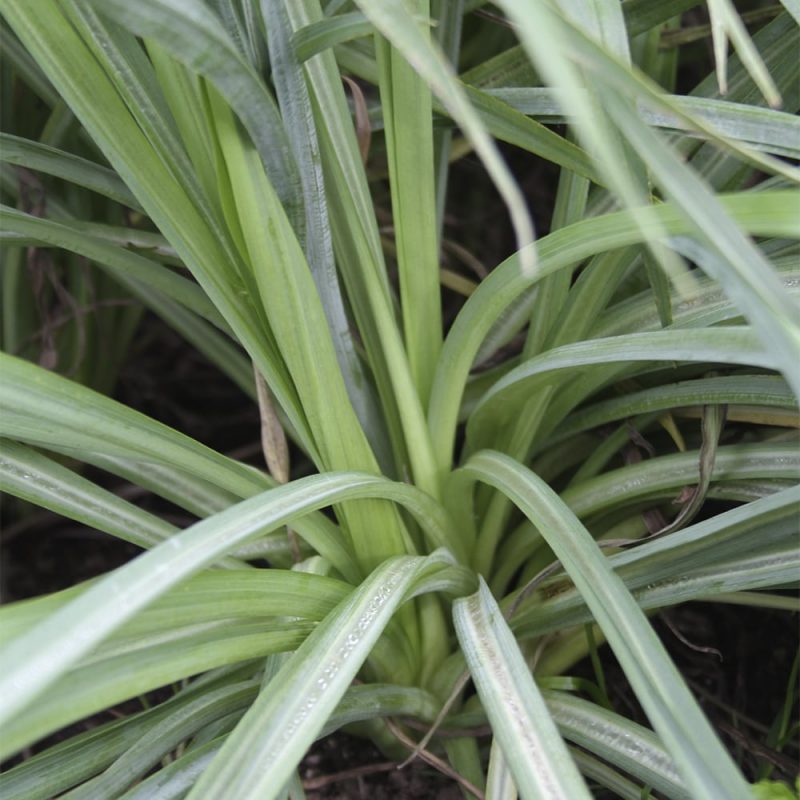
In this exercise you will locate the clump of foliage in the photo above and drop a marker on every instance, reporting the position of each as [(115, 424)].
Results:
[(208, 157)]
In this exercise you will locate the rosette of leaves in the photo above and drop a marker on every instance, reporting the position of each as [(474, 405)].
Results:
[(607, 427)]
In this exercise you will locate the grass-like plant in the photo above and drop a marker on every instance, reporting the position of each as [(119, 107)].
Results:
[(459, 578)]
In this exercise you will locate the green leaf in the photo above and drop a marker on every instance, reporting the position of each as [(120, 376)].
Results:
[(727, 24), (132, 270), (408, 117), (295, 103), (642, 15), (80, 625), (39, 480), (760, 215), (631, 747), (90, 82), (79, 758), (269, 742), (193, 35), (764, 128), (733, 345), (324, 33), (394, 21), (793, 7), (532, 748), (699, 560), (699, 756), (359, 256), (773, 790), (158, 742), (757, 390), (92, 425), (293, 307), (69, 167), (146, 663)]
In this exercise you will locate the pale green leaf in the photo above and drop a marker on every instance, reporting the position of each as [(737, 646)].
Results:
[(533, 750)]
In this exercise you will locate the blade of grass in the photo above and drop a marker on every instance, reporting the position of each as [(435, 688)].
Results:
[(625, 744), (360, 257), (67, 166), (774, 131), (408, 117), (69, 763), (736, 263), (330, 31), (75, 68), (27, 474), (193, 34), (157, 744), (151, 662), (289, 297), (91, 424), (128, 268), (449, 16), (759, 390), (730, 344), (727, 24), (667, 562), (210, 596), (295, 104), (394, 21), (642, 15)]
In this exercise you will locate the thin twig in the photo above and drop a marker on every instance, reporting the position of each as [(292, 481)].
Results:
[(348, 774), (434, 761), (683, 640), (445, 710)]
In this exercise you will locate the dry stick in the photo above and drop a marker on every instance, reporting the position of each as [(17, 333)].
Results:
[(698, 648), (363, 125), (419, 748), (273, 439), (435, 762), (274, 446), (347, 774)]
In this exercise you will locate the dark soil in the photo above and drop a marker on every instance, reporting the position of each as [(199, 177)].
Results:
[(345, 768)]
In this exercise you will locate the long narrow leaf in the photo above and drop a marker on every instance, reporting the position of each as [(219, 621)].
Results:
[(193, 34), (408, 116), (260, 755), (69, 167), (559, 250), (533, 749), (89, 619), (734, 345), (295, 103), (699, 756), (393, 20)]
